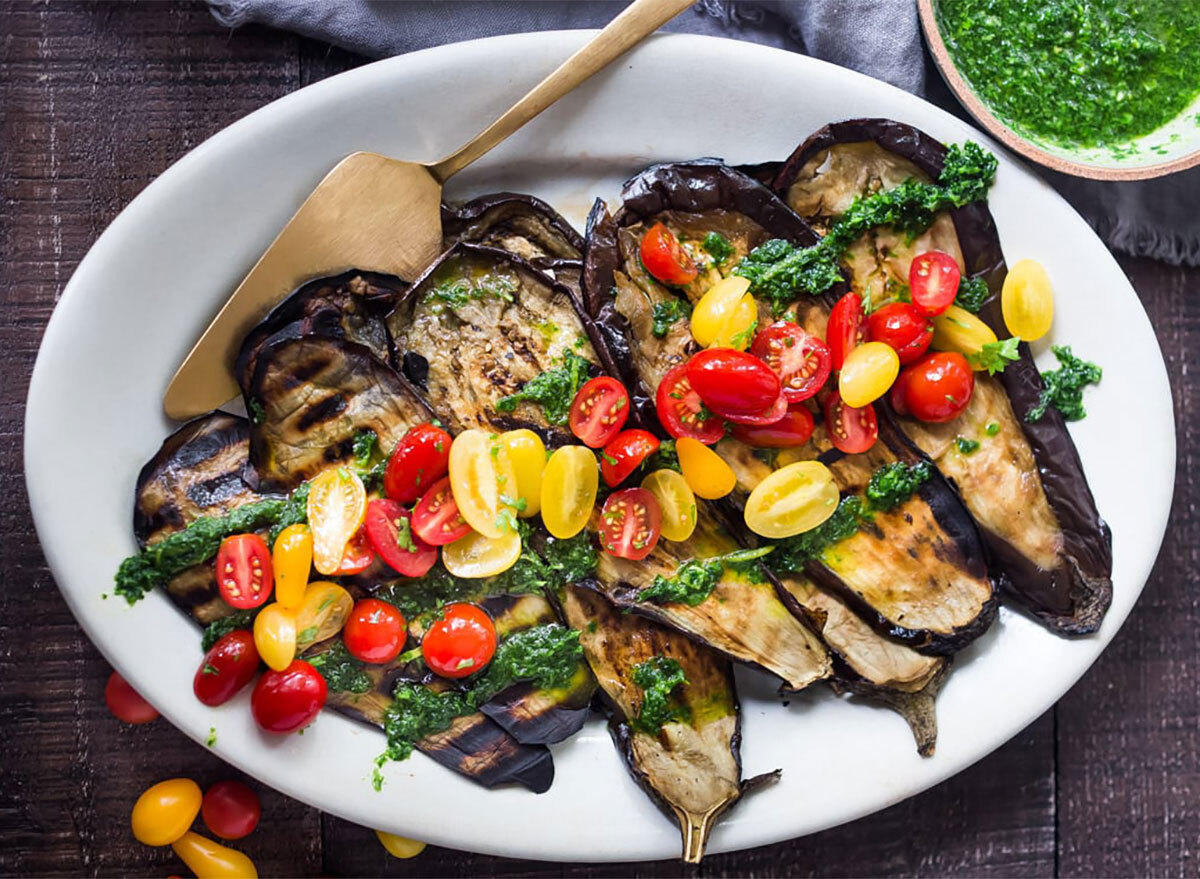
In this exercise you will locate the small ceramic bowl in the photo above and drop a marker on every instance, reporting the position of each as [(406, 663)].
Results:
[(1173, 147)]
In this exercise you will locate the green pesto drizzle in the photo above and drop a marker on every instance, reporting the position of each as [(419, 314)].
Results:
[(659, 677), (695, 579), (665, 313), (342, 672), (553, 390), (1064, 386)]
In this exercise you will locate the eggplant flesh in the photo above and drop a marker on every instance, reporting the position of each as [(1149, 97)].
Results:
[(521, 224), (691, 769), (1048, 547)]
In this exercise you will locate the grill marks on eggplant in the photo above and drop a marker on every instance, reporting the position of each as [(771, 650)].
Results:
[(1048, 547)]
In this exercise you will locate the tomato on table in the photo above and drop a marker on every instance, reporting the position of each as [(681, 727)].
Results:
[(230, 809), (400, 846), (933, 280), (599, 411), (229, 666), (126, 703), (461, 642), (211, 860), (847, 328), (421, 458), (375, 632), (436, 519), (358, 555), (390, 533), (665, 259), (938, 387), (243, 571), (624, 453), (681, 410), (165, 811), (901, 326), (288, 700), (801, 360), (851, 430), (630, 523), (734, 384), (794, 429)]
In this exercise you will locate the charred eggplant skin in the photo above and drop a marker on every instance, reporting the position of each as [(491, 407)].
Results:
[(1073, 598), (485, 219)]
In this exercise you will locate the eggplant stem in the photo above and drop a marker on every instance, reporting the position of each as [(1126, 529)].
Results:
[(695, 829)]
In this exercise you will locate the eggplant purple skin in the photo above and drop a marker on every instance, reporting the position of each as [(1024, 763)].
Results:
[(1074, 604), (469, 222)]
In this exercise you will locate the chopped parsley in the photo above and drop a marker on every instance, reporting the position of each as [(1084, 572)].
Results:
[(972, 293), (995, 356), (659, 677), (257, 413), (218, 629), (992, 428), (666, 312), (457, 292), (695, 579), (554, 390), (717, 246), (342, 672), (211, 739), (895, 483), (1064, 386)]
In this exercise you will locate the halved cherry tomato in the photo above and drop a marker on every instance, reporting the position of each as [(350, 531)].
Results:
[(676, 501), (475, 556), (227, 668), (419, 460), (664, 258), (631, 523), (291, 563), (569, 488), (956, 329), (867, 373), (623, 455), (461, 643), (528, 455), (733, 383), (337, 503), (126, 703), (599, 411), (275, 636), (390, 531), (768, 416), (897, 395), (801, 360), (211, 860), (846, 329), (243, 571), (435, 519), (724, 315), (230, 809), (933, 280), (165, 811), (850, 430), (791, 500), (794, 429), (288, 700), (705, 471), (400, 846), (903, 327), (681, 410), (324, 611), (938, 387), (375, 632), (358, 556), (483, 480), (1027, 300)]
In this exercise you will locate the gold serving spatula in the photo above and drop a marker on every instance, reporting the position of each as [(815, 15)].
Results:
[(372, 212)]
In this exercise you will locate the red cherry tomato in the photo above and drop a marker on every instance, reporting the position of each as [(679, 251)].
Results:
[(630, 523), (288, 700), (904, 328), (358, 555), (125, 703), (794, 429), (682, 412), (933, 280), (599, 411), (230, 809), (243, 571), (801, 360), (227, 668), (850, 430), (623, 455), (733, 382), (419, 460), (767, 416), (389, 530), (461, 643), (665, 259), (846, 330), (375, 632), (436, 519), (938, 387), (897, 394)]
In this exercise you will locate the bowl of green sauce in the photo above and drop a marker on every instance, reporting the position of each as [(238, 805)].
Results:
[(1106, 89)]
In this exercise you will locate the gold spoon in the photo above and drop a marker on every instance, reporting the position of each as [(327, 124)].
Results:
[(372, 212)]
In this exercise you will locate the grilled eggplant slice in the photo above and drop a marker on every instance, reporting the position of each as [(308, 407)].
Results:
[(310, 396), (521, 224), (917, 574), (1025, 486)]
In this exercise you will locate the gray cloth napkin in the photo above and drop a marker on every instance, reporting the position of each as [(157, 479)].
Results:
[(881, 38)]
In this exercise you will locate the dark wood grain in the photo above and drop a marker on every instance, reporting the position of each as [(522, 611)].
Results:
[(97, 100)]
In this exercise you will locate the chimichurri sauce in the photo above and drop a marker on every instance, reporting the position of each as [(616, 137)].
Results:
[(1077, 73)]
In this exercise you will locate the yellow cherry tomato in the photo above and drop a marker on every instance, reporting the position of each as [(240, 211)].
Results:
[(275, 636), (792, 500), (482, 476), (399, 846), (211, 860), (956, 329), (323, 612), (1027, 300), (476, 556), (867, 373), (725, 315), (676, 500), (528, 455), (337, 504), (706, 472), (291, 561), (164, 812), (569, 486)]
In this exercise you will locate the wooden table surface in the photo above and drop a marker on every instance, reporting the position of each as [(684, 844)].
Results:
[(97, 100)]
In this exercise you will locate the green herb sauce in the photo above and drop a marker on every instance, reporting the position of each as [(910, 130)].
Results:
[(695, 579), (1064, 386), (659, 677), (218, 629), (965, 445), (342, 672), (893, 484), (665, 313), (717, 246), (553, 390), (454, 293), (972, 293), (792, 552)]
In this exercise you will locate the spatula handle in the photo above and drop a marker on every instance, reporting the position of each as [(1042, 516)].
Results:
[(638, 20)]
